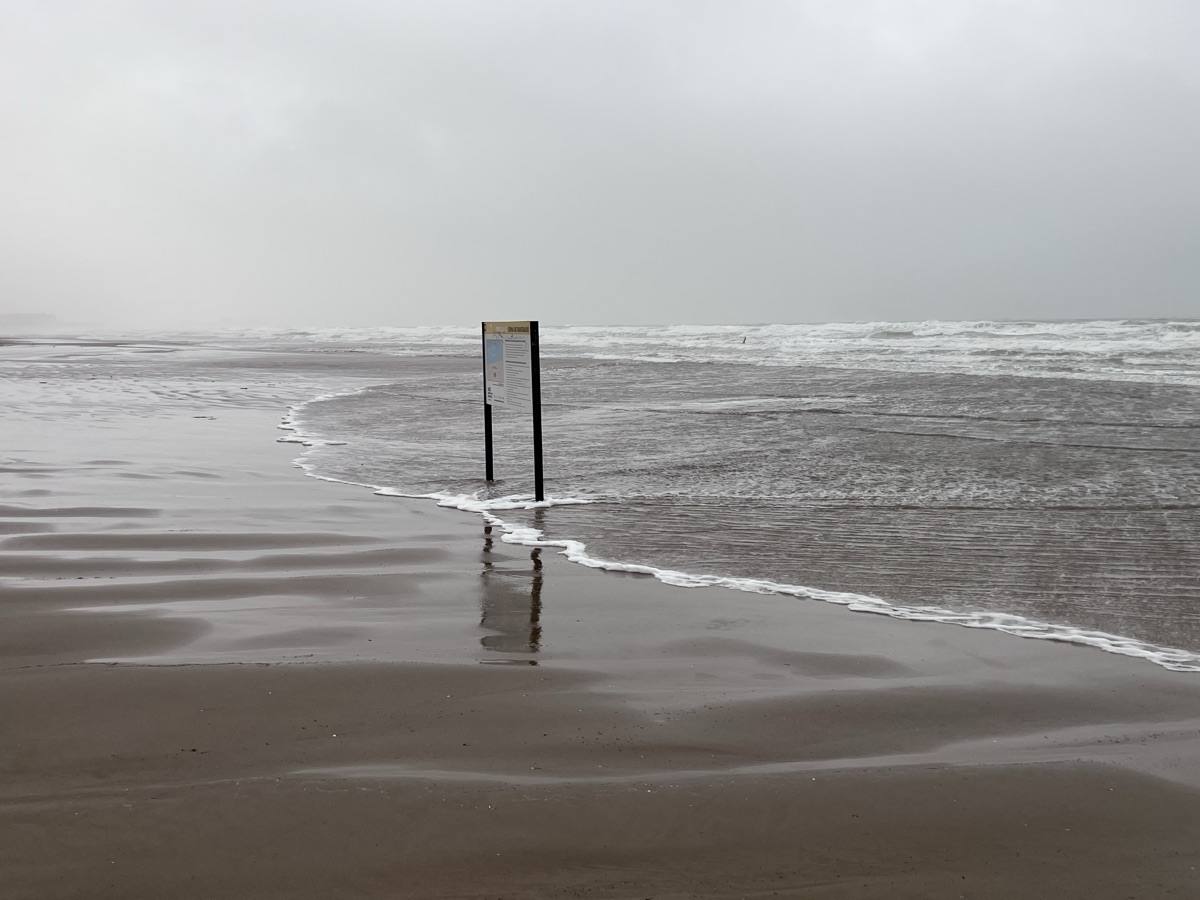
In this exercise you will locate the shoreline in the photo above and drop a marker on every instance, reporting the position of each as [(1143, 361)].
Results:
[(1173, 659), (317, 692)]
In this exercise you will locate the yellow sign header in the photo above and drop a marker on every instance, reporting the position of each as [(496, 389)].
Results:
[(506, 328)]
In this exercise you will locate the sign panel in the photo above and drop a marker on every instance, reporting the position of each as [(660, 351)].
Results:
[(512, 376), (507, 364)]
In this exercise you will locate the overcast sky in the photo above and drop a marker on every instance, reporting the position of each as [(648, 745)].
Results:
[(360, 162)]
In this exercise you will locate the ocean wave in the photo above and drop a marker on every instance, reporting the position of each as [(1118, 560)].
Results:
[(1107, 350), (890, 334), (296, 434)]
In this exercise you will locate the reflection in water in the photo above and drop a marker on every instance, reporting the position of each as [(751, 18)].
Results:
[(509, 608)]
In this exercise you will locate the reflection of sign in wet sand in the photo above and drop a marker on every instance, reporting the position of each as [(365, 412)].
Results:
[(509, 608)]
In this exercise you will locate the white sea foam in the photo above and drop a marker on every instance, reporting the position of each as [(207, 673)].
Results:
[(576, 551), (296, 434), (489, 505)]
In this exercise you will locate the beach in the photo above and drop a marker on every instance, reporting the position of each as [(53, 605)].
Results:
[(219, 677)]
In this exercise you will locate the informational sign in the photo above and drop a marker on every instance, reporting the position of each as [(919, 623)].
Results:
[(507, 364), (512, 376)]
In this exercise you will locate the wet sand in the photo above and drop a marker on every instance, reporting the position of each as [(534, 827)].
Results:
[(219, 678)]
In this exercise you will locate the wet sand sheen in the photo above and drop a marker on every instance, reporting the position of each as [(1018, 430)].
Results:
[(324, 727)]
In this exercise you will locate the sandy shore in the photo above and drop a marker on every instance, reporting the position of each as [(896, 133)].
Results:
[(219, 678)]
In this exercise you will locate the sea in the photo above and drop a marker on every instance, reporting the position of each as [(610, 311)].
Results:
[(1040, 479)]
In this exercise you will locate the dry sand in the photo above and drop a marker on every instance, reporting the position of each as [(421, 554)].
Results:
[(219, 678)]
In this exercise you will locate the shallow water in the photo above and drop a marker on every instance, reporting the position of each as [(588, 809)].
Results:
[(1068, 501)]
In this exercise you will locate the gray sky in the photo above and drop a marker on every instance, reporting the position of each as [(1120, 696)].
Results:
[(362, 162)]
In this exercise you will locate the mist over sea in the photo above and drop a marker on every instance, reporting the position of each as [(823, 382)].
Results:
[(1039, 478)]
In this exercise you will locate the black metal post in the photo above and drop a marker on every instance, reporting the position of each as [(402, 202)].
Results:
[(487, 410), (535, 374)]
